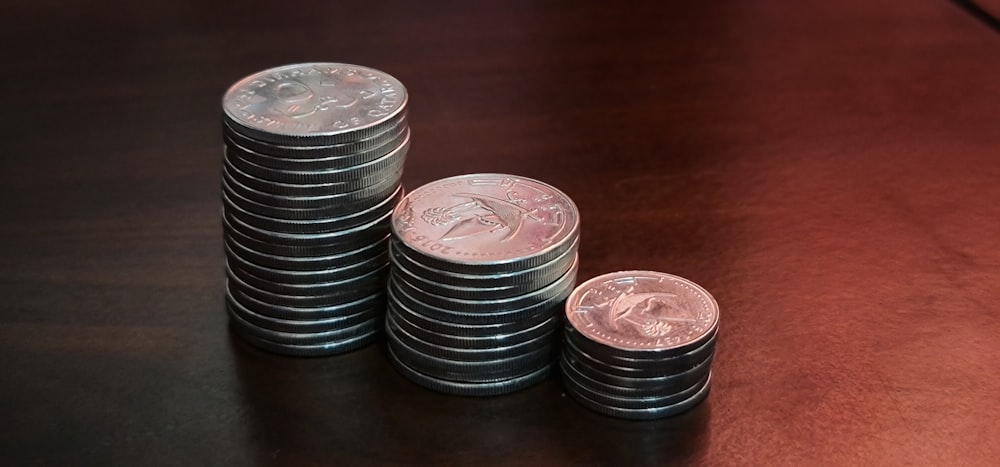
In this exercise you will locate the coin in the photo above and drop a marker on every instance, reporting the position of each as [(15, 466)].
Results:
[(320, 349), (478, 389), (311, 167), (302, 325), (472, 342), (643, 313), (657, 384), (535, 277), (493, 306), (649, 413), (314, 262), (485, 223), (323, 103), (240, 301), (337, 296), (306, 157), (307, 338), (377, 191), (429, 323), (500, 351), (465, 370), (588, 390), (635, 367), (639, 344), (319, 277), (457, 315)]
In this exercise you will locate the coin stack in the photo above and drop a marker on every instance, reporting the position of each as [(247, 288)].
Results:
[(639, 344), (313, 158), (481, 266)]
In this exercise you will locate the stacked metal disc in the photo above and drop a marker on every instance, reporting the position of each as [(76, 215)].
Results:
[(313, 158), (639, 344), (481, 267)]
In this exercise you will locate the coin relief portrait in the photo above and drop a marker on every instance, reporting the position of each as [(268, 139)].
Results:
[(307, 98)]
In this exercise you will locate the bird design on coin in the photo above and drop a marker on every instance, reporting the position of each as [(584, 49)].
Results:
[(481, 214)]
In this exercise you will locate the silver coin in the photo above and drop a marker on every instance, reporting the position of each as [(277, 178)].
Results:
[(301, 325), (470, 355), (375, 301), (651, 413), (354, 286), (297, 180), (610, 399), (570, 370), (306, 252), (335, 307), (303, 338), (467, 342), (654, 385), (488, 306), (305, 263), (464, 292), (308, 214), (359, 235), (271, 167), (275, 206), (266, 161), (643, 313), (314, 103), (322, 349), (429, 364), (485, 223), (388, 167), (277, 155), (356, 289), (470, 389), (307, 226), (350, 200), (471, 330), (477, 317), (327, 275), (537, 276), (624, 366), (359, 279)]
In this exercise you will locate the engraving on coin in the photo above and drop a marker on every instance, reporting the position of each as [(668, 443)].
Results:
[(314, 98), (642, 310), (485, 217)]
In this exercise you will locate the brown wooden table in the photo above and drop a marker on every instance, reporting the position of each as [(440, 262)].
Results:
[(829, 171)]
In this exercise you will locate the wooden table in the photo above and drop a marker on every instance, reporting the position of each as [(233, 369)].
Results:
[(829, 171)]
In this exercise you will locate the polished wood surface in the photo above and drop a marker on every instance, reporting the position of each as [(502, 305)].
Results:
[(830, 171)]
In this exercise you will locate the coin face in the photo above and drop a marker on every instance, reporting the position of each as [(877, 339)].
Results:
[(642, 310), (314, 99), (485, 218)]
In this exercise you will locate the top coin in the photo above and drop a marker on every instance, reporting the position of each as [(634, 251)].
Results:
[(325, 103), (486, 219), (643, 311)]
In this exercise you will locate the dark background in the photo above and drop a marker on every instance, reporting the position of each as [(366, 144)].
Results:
[(829, 171)]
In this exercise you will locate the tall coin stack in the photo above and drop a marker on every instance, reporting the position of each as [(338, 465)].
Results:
[(313, 158), (639, 344), (481, 266)]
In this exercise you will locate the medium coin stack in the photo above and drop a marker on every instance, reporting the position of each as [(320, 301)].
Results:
[(639, 344), (481, 266), (313, 158)]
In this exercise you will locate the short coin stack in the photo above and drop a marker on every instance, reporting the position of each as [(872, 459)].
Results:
[(313, 159), (639, 344), (481, 266)]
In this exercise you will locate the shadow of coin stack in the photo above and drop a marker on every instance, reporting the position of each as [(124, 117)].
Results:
[(313, 158), (639, 344), (481, 266)]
